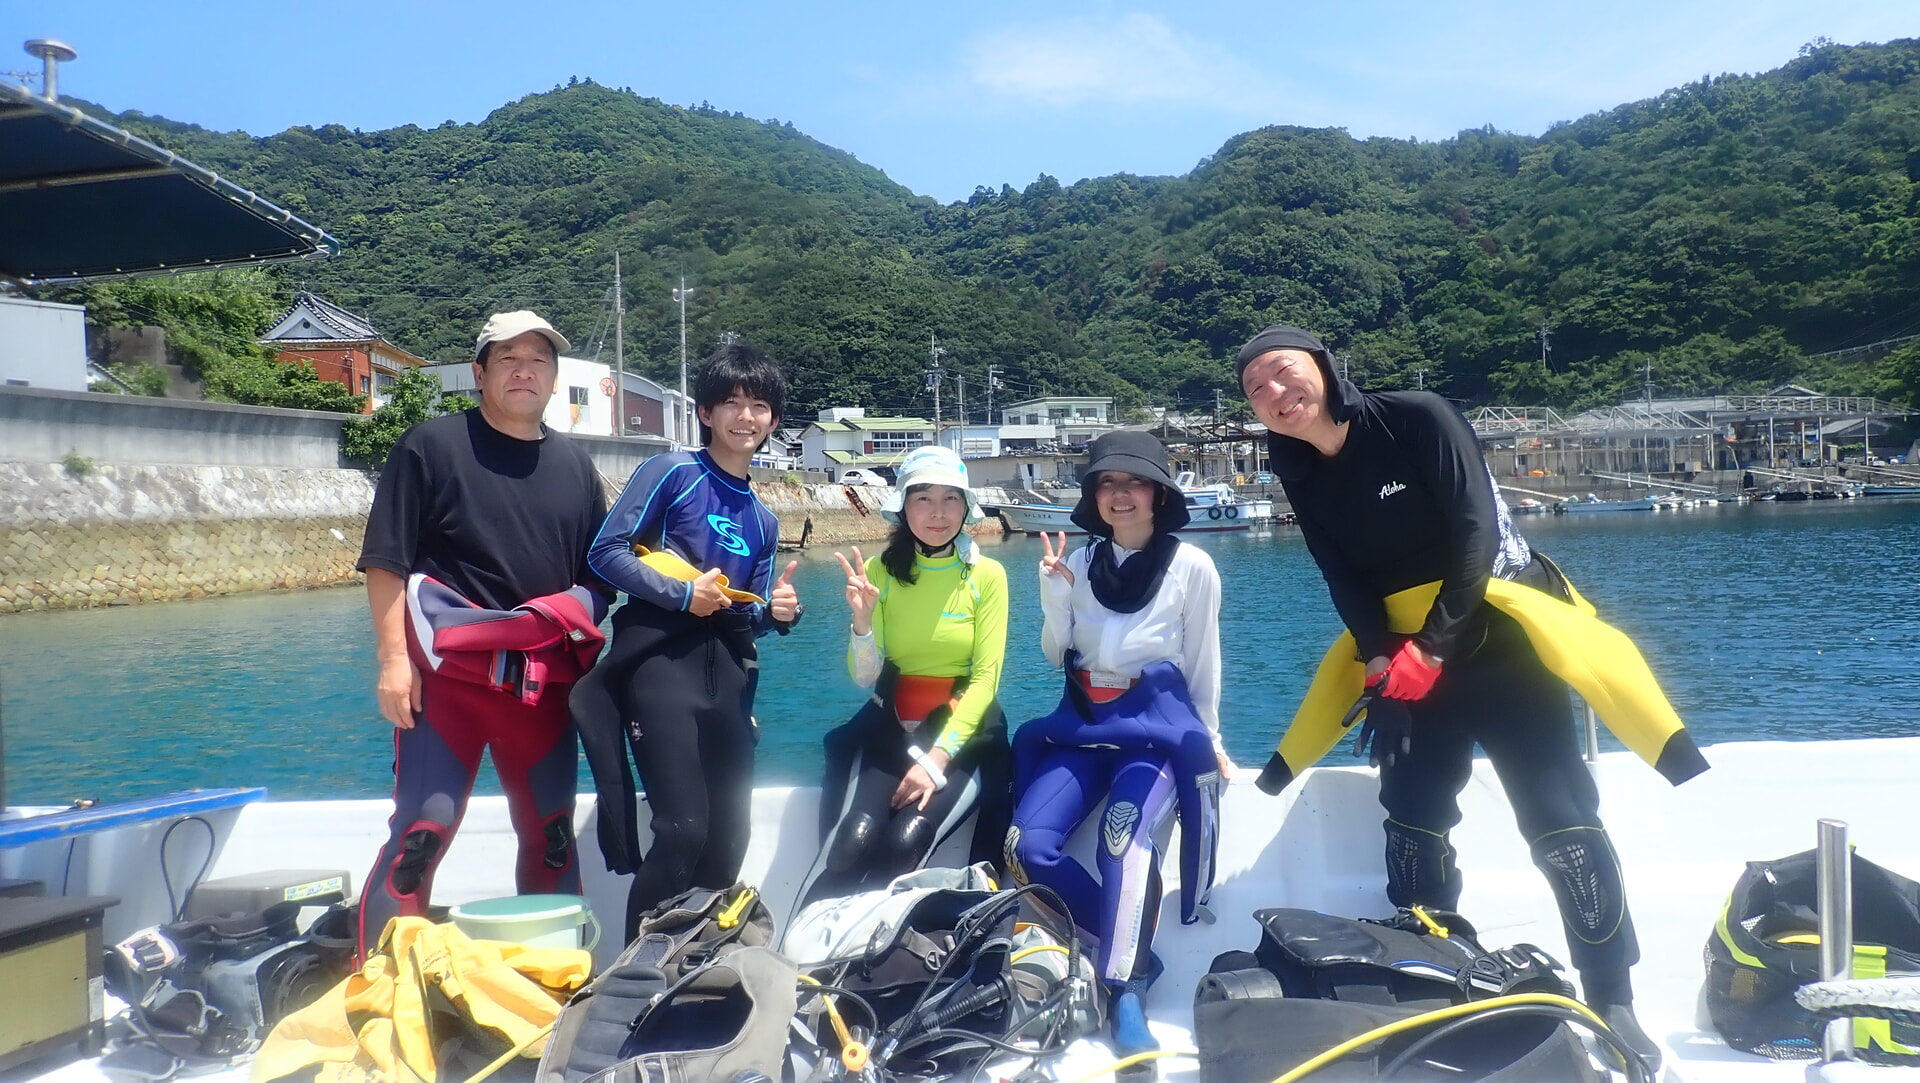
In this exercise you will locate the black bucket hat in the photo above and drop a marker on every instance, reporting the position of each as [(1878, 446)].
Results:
[(1143, 456)]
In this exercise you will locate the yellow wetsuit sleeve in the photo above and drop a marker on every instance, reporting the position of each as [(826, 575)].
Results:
[(989, 579)]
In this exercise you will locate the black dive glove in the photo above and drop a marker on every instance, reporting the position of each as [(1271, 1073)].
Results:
[(1387, 733)]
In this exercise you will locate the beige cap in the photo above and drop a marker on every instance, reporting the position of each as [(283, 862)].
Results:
[(502, 326)]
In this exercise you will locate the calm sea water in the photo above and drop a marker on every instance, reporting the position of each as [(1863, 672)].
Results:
[(1790, 622)]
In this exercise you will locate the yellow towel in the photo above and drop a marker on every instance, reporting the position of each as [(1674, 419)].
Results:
[(375, 1026)]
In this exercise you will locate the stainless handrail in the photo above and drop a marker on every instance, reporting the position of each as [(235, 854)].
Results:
[(1836, 929)]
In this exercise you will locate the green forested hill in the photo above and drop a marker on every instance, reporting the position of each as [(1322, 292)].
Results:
[(1718, 233)]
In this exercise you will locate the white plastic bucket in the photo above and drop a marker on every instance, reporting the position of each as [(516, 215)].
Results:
[(538, 921)]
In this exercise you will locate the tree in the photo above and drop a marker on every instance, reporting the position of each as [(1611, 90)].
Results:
[(414, 396), (213, 321)]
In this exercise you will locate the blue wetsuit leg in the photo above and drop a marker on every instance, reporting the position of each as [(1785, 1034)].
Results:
[(1140, 800), (1060, 788)]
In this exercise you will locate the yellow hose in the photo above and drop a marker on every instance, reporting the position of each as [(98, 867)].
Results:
[(1024, 952), (1441, 1015), (853, 1055), (506, 1058)]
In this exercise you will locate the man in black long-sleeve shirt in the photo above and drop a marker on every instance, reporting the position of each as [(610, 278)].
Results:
[(1392, 492)]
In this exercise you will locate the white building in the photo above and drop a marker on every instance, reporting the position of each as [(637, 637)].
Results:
[(844, 438), (582, 394), (1074, 419), (43, 344)]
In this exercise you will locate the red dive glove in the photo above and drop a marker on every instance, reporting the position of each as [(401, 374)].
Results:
[(1406, 677)]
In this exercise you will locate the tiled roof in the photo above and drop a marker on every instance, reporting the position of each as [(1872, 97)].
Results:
[(870, 424), (314, 317)]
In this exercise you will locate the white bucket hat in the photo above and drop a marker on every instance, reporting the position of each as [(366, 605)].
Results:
[(930, 466)]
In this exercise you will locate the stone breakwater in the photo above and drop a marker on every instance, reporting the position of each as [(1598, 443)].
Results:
[(117, 534), (120, 535)]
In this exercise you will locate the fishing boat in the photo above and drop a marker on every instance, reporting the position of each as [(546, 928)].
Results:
[(1210, 508), (1316, 846), (1592, 504)]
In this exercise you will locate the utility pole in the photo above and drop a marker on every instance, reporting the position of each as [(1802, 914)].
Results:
[(993, 384), (935, 376), (960, 442), (684, 436), (619, 351), (1420, 378), (1216, 405), (1546, 345)]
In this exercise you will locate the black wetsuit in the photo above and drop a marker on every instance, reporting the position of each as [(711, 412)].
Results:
[(677, 687), (1406, 501), (865, 841)]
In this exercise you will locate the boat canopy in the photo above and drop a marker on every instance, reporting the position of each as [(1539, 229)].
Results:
[(81, 199)]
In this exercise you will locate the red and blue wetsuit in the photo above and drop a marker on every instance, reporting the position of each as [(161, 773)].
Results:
[(498, 522)]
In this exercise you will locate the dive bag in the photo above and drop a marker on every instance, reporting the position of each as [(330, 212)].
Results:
[(1315, 981), (1766, 945), (637, 1017)]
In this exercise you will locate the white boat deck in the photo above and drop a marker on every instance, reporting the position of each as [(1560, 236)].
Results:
[(1319, 845)]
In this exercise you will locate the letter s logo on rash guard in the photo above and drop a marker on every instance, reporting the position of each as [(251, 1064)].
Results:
[(729, 534)]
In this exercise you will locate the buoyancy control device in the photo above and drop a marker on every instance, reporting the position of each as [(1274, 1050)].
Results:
[(636, 1019), (947, 971), (1315, 982)]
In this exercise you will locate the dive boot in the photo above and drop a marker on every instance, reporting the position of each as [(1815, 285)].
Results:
[(1620, 1019)]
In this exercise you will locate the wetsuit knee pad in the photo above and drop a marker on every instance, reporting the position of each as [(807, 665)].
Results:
[(847, 850), (909, 838), (1012, 855), (1420, 868), (558, 833), (1584, 873), (419, 850)]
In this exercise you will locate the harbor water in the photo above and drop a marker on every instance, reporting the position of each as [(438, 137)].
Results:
[(1765, 622)]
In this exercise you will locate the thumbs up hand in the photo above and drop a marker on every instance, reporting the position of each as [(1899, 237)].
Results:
[(707, 597), (785, 601)]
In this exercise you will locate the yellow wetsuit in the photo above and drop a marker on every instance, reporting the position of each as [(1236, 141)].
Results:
[(1597, 659)]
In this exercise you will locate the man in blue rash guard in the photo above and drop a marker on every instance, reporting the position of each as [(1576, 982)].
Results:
[(677, 685)]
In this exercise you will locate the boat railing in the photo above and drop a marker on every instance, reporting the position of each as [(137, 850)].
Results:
[(1651, 482)]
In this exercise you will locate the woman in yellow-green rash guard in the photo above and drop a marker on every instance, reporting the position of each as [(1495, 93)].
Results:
[(930, 745)]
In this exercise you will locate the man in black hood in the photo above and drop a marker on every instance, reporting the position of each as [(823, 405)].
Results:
[(1392, 494)]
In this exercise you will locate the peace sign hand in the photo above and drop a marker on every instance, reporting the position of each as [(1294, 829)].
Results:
[(1054, 562), (785, 601), (862, 595)]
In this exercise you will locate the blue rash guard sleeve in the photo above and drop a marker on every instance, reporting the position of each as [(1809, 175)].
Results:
[(638, 516)]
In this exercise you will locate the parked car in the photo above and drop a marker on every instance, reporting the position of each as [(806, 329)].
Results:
[(862, 477)]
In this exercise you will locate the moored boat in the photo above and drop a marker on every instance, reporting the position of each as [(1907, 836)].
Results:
[(1574, 504)]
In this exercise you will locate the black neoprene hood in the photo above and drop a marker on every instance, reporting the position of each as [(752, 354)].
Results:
[(1343, 398)]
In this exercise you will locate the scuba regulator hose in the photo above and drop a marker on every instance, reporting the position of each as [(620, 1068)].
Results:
[(1458, 1016)]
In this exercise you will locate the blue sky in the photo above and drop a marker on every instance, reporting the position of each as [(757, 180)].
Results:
[(947, 97)]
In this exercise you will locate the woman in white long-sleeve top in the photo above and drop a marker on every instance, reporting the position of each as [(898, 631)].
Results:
[(1133, 618)]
